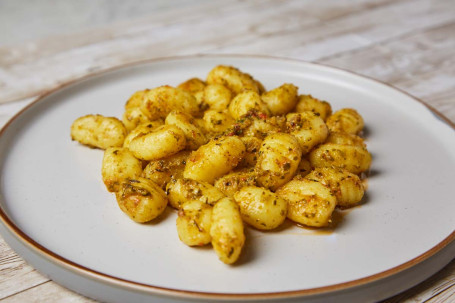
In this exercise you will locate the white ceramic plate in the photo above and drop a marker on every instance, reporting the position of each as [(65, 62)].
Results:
[(56, 213)]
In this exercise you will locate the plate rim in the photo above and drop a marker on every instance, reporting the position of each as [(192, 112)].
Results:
[(86, 272)]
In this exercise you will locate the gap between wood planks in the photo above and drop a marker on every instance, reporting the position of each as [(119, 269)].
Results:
[(25, 289), (386, 41)]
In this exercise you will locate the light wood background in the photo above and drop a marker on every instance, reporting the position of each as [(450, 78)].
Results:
[(407, 43)]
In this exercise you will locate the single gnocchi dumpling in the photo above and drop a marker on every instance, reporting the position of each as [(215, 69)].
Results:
[(308, 128), (353, 158), (158, 143), (141, 199), (281, 100), (309, 103), (345, 120), (231, 183), (192, 85), (135, 100), (278, 159), (193, 223), (159, 102), (216, 122), (310, 202), (261, 208), (217, 96), (347, 187), (98, 131), (233, 79), (142, 129), (181, 191), (214, 159), (245, 102), (162, 171), (227, 232), (119, 164)]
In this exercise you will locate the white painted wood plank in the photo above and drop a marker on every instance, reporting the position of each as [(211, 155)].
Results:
[(403, 58), (15, 274), (47, 292), (258, 28)]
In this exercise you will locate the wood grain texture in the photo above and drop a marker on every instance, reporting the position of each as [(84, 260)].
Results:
[(407, 43)]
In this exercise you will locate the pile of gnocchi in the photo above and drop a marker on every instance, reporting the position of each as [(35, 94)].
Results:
[(225, 152)]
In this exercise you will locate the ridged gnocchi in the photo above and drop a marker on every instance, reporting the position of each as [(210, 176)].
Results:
[(216, 122), (141, 129), (308, 128), (214, 159), (159, 102), (345, 120), (353, 158), (141, 199), (194, 222), (217, 96), (245, 102), (233, 79), (278, 160), (261, 208), (163, 170), (233, 182), (226, 231), (310, 202), (281, 100), (308, 103), (98, 131), (158, 143), (347, 187), (119, 164), (183, 190), (224, 151)]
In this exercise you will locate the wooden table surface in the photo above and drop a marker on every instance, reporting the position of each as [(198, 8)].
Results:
[(408, 44)]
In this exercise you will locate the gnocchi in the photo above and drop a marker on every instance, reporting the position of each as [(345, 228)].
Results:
[(260, 207), (308, 103), (119, 164), (159, 102), (233, 79), (224, 152), (193, 135), (281, 100), (214, 159), (183, 190), (245, 102), (163, 170), (194, 222), (226, 231), (141, 199), (310, 202), (345, 120), (308, 128), (278, 159), (347, 187), (98, 131), (160, 142)]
